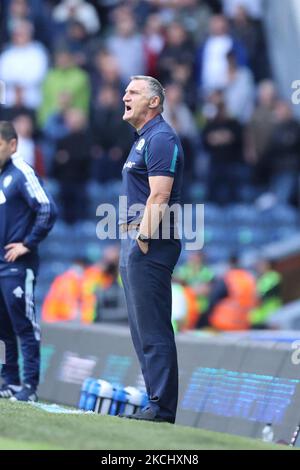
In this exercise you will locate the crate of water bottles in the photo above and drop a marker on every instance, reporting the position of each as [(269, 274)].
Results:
[(100, 396)]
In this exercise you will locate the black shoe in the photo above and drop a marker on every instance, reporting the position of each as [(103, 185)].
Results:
[(147, 415)]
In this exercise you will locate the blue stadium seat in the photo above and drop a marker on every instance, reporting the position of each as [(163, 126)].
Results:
[(196, 192), (219, 234), (103, 193), (217, 253), (60, 231), (57, 250), (84, 232), (241, 214), (93, 251), (52, 186), (252, 236), (283, 215), (213, 214), (94, 189), (113, 189), (54, 268), (283, 233)]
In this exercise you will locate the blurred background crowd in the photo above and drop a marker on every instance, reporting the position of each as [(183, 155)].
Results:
[(66, 64)]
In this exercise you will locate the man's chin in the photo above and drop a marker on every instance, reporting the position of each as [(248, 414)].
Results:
[(127, 118)]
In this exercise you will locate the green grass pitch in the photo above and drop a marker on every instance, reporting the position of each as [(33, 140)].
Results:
[(26, 427)]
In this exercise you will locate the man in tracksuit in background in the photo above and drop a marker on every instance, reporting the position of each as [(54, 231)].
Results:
[(27, 214)]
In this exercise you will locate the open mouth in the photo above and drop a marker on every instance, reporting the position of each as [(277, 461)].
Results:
[(128, 108)]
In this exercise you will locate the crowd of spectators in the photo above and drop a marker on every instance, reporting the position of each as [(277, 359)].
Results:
[(66, 64), (85, 291), (239, 299)]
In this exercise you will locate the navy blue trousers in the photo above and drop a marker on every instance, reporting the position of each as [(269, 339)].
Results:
[(147, 284), (18, 321)]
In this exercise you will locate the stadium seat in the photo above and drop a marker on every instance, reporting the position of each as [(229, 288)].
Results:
[(251, 236), (283, 233), (279, 215), (219, 234), (241, 214), (52, 186), (196, 192), (213, 214), (60, 231), (285, 215), (95, 190), (217, 253), (92, 251), (54, 268), (85, 230), (58, 250)]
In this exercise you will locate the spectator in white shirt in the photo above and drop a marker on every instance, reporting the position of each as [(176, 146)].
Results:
[(239, 93), (28, 150), (212, 55), (23, 65), (78, 10)]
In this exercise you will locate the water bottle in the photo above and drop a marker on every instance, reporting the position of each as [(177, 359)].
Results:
[(295, 437), (134, 400), (104, 399), (267, 433), (120, 399), (84, 392), (92, 395)]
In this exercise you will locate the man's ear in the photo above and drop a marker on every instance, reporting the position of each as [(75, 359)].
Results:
[(154, 102), (14, 145)]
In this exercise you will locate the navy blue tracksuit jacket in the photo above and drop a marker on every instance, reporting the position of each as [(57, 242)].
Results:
[(27, 214)]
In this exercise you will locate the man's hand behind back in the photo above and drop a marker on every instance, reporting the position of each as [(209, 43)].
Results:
[(14, 251)]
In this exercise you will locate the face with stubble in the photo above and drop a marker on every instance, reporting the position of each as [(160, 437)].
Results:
[(139, 105)]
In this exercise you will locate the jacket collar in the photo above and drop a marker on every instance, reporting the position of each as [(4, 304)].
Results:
[(6, 165)]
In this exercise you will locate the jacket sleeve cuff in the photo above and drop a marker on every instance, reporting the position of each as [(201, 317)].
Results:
[(28, 244)]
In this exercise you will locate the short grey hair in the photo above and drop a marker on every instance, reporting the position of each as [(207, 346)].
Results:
[(155, 87)]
